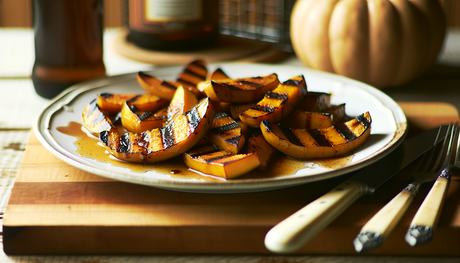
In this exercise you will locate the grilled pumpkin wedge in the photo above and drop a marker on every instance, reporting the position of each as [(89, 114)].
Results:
[(113, 102), (192, 74), (95, 120), (218, 74), (300, 119), (137, 121), (183, 100), (277, 103), (181, 134), (315, 101), (211, 160), (338, 113), (226, 133), (236, 109), (153, 85), (244, 90), (257, 144), (334, 141), (145, 102)]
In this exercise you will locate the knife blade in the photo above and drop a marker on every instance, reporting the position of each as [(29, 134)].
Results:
[(296, 230)]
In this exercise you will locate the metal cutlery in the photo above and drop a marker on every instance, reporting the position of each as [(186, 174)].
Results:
[(425, 220), (296, 230), (377, 229)]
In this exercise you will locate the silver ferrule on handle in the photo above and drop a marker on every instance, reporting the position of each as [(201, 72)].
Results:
[(425, 220)]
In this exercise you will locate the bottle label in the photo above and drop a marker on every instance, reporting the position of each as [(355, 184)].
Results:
[(163, 17), (164, 10)]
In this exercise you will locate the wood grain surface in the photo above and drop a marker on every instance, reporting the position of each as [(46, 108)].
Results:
[(55, 208)]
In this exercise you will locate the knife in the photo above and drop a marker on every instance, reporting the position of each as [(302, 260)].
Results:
[(296, 230)]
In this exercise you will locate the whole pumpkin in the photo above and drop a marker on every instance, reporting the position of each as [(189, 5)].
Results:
[(380, 42)]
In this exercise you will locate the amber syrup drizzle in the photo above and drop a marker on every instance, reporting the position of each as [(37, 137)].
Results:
[(89, 146)]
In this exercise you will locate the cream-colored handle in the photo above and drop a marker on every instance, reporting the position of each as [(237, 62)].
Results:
[(424, 222), (296, 230), (377, 229)]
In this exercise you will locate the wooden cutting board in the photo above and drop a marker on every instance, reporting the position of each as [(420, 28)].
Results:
[(58, 209)]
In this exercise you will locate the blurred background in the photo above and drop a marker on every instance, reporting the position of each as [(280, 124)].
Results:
[(267, 21)]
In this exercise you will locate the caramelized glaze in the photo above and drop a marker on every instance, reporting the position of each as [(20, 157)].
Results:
[(89, 146)]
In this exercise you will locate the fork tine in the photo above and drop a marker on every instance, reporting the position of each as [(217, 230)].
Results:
[(427, 159), (457, 149), (425, 220), (445, 154)]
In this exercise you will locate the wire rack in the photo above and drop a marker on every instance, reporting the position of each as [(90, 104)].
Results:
[(266, 21)]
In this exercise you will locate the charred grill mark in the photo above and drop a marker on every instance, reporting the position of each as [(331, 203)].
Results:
[(293, 82), (92, 107), (227, 85), (193, 118), (225, 127), (233, 141), (290, 135), (167, 134), (133, 108), (210, 160), (267, 126), (168, 85), (276, 95), (187, 83), (104, 137), (363, 120), (249, 83), (106, 95), (133, 99), (145, 115), (263, 108), (143, 141), (345, 131), (205, 150), (319, 138), (219, 115), (190, 71), (99, 118), (124, 143)]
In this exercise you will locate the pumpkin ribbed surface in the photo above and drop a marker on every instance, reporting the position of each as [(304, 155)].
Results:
[(380, 42)]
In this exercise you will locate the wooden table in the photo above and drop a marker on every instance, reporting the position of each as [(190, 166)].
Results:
[(427, 101)]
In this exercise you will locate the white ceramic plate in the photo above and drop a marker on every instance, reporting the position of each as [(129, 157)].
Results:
[(388, 127)]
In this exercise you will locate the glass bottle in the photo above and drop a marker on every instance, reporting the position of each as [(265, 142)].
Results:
[(173, 24), (68, 44)]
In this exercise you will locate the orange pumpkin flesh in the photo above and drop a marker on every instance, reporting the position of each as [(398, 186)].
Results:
[(319, 143), (153, 85), (194, 73), (137, 121), (163, 143), (113, 102), (257, 144), (190, 122), (95, 120), (226, 133), (244, 90), (145, 102), (300, 119), (211, 160), (277, 103), (183, 100)]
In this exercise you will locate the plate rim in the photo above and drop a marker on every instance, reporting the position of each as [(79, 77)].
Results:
[(245, 185)]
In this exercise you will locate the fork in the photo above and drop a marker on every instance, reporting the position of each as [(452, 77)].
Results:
[(425, 220), (377, 229)]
